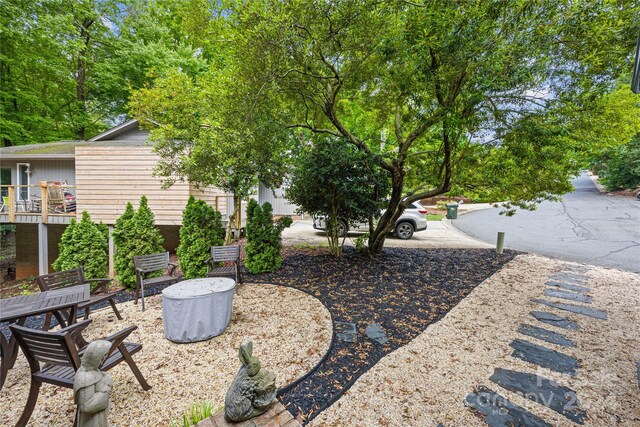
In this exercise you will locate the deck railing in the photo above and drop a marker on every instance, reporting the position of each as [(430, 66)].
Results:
[(45, 199)]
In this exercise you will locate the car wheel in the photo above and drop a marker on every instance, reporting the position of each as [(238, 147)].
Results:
[(404, 230), (342, 228)]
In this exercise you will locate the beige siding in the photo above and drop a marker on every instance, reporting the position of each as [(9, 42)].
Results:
[(213, 196), (109, 177)]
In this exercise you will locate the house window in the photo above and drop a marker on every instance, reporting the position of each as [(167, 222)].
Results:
[(5, 179), (24, 179)]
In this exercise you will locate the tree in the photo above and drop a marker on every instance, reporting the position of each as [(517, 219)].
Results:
[(438, 88), (201, 228), (264, 241), (134, 234), (337, 180), (84, 245)]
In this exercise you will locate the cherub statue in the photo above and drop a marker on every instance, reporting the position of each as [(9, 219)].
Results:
[(252, 390), (92, 387)]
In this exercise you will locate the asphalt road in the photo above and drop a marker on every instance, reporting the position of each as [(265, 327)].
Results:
[(586, 226)]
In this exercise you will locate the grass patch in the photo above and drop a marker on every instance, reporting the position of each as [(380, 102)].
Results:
[(435, 217), (198, 411)]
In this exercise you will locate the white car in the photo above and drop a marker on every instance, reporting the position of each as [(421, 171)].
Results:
[(414, 218)]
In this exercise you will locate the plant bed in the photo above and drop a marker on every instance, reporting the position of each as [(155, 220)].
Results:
[(403, 291)]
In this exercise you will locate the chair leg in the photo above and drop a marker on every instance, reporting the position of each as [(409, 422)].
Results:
[(134, 368), (30, 405), (115, 309), (142, 294), (47, 321), (86, 313), (137, 293)]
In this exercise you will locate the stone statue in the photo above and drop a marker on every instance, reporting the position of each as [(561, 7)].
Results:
[(252, 391), (92, 387)]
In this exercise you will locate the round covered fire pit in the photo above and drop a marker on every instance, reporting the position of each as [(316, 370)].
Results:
[(197, 309)]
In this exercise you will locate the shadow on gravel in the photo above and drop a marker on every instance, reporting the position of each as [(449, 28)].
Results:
[(403, 291)]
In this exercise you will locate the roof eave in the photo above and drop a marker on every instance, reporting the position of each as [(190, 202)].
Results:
[(38, 157)]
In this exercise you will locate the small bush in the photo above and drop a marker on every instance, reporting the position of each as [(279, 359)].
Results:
[(623, 167), (198, 411), (83, 244), (264, 238), (134, 234), (201, 229)]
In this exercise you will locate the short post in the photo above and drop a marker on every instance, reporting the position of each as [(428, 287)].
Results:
[(44, 202), (112, 253), (500, 243)]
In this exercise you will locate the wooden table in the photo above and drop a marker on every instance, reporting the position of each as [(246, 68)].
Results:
[(18, 309)]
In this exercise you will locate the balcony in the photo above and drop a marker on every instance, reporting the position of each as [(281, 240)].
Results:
[(45, 203)]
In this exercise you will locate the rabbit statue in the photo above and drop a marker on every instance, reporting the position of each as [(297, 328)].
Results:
[(252, 390)]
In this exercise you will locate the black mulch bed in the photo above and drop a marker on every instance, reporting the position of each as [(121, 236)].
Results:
[(404, 290)]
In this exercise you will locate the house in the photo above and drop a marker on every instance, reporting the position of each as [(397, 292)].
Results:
[(103, 173)]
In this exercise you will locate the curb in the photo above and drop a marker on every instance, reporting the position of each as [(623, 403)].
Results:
[(449, 225), (596, 182)]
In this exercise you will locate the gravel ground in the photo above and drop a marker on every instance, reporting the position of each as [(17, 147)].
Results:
[(291, 332), (425, 382)]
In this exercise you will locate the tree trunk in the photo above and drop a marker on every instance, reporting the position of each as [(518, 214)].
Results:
[(231, 222), (80, 78), (393, 212)]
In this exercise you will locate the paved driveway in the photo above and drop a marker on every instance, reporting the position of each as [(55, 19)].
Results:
[(586, 226)]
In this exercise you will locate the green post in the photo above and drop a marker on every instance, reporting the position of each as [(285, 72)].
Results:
[(500, 244)]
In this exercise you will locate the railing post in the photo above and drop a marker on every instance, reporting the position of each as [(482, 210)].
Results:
[(44, 202), (12, 204)]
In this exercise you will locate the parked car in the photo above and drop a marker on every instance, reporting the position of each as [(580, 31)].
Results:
[(414, 218)]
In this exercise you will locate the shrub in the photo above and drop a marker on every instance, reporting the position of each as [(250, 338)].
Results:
[(264, 238), (201, 229), (134, 234), (623, 167), (83, 244)]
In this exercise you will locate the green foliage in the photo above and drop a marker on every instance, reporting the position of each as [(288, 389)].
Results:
[(134, 234), (201, 229), (198, 411), (337, 180), (264, 241), (83, 244), (623, 166)]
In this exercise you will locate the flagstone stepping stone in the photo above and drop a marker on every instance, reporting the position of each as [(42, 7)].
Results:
[(545, 335), (497, 411), (541, 390), (544, 357), (375, 332), (578, 309), (568, 286), (572, 296), (568, 277), (577, 268), (552, 319), (346, 332)]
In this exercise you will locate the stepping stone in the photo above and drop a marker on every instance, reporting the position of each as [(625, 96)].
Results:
[(346, 332), (376, 333), (552, 319), (544, 357), (568, 277), (572, 296), (497, 411), (569, 287), (578, 309), (546, 335), (546, 392), (577, 269)]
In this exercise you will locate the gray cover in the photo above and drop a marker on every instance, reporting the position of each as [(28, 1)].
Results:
[(197, 309)]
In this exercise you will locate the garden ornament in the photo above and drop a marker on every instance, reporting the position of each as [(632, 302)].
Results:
[(92, 387), (252, 390)]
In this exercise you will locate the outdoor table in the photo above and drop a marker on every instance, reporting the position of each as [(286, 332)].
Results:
[(17, 309), (197, 309)]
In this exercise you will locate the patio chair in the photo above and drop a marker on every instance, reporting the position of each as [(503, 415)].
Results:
[(149, 265), (225, 254), (60, 353), (74, 277)]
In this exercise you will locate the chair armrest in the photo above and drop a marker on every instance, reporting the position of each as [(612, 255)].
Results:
[(172, 268), (102, 285), (117, 338), (76, 327)]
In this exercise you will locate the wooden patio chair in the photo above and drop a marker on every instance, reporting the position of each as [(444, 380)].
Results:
[(60, 353), (225, 254), (74, 277), (148, 266), (55, 199)]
